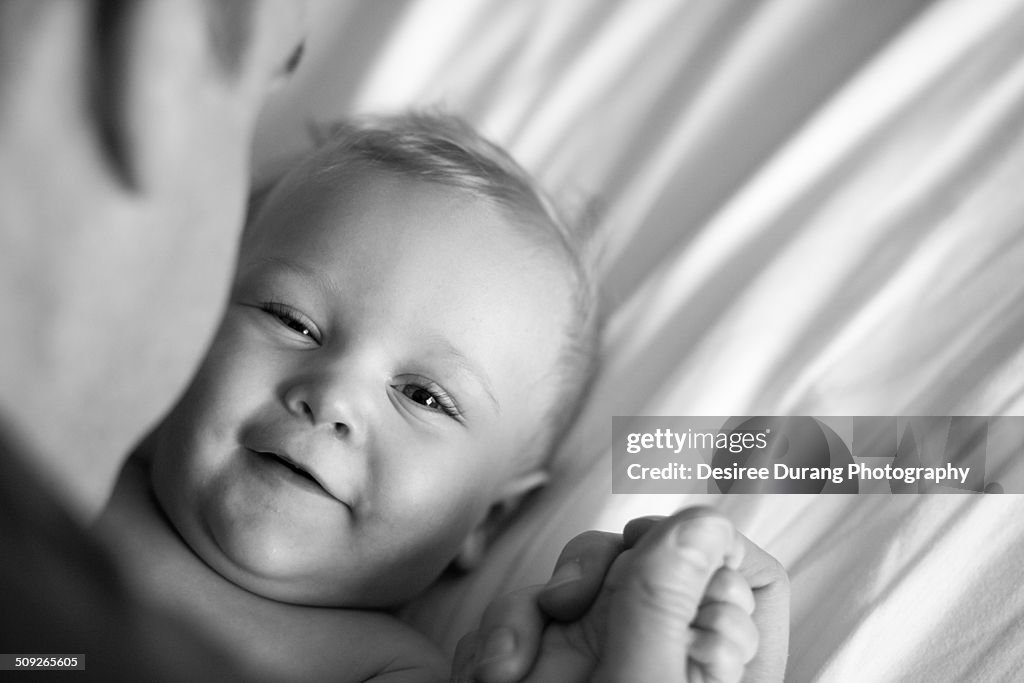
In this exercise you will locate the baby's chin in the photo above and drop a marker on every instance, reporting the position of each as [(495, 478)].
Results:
[(266, 564), (292, 555), (313, 592), (271, 569)]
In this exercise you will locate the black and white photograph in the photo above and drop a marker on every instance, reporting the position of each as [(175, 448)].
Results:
[(497, 341)]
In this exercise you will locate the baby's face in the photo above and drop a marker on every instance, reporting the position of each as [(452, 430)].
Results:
[(383, 362)]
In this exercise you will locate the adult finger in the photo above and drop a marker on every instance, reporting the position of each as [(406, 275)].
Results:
[(512, 627), (758, 567), (770, 583), (509, 637), (636, 528), (579, 574), (463, 661)]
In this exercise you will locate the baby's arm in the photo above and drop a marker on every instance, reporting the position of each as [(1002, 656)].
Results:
[(405, 655), (347, 646), (341, 645)]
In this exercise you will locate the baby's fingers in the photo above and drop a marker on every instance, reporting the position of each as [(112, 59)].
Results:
[(724, 640), (725, 637), (656, 589), (728, 585)]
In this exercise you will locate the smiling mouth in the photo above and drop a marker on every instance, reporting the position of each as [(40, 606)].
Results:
[(281, 460)]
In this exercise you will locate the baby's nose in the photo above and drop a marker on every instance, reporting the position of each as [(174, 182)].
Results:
[(341, 428), (324, 403)]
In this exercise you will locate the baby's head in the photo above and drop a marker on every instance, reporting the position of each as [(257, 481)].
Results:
[(410, 331)]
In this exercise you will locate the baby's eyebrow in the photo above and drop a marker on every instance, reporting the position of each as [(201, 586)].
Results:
[(467, 366), (322, 280)]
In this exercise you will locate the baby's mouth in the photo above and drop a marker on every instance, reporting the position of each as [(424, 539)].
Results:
[(294, 468), (304, 475)]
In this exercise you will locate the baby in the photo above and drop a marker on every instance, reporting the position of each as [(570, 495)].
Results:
[(409, 332)]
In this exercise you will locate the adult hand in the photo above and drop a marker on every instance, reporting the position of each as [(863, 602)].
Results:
[(641, 623)]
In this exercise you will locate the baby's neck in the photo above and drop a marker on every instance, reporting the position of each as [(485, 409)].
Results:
[(264, 634), (155, 558)]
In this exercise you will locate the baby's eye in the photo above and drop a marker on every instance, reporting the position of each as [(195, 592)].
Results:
[(433, 398), (292, 319), (421, 396)]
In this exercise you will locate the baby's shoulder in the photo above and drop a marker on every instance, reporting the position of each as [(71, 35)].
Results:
[(356, 645)]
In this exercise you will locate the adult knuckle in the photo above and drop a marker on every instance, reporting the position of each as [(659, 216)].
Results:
[(781, 576)]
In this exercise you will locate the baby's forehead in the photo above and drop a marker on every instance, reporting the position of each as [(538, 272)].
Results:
[(385, 215), (321, 186)]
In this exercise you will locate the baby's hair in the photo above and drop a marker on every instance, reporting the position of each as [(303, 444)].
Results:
[(444, 149)]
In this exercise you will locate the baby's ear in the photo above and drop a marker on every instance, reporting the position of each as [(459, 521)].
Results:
[(474, 547)]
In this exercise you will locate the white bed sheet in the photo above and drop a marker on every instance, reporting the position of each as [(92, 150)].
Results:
[(807, 207)]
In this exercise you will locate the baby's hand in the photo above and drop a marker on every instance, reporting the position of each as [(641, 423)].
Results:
[(671, 608), (678, 611), (724, 635)]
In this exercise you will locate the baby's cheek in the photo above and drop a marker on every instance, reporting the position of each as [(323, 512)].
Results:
[(414, 553), (233, 373)]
